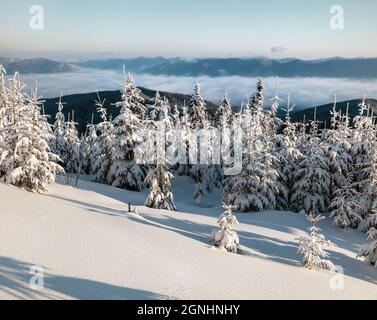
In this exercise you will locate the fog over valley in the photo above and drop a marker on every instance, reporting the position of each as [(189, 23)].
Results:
[(305, 91)]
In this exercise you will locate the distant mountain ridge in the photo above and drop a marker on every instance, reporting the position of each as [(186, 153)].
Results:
[(38, 65), (245, 67), (361, 68)]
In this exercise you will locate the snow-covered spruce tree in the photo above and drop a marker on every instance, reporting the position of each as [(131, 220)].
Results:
[(336, 149), (311, 246), (363, 141), (197, 109), (175, 116), (26, 158), (124, 171), (288, 155), (159, 179), (134, 98), (274, 121), (60, 143), (14, 98), (155, 111), (275, 100), (370, 221), (310, 192), (369, 218), (71, 155), (224, 121), (162, 124), (160, 194), (184, 139), (256, 106), (369, 251), (225, 236), (89, 149), (302, 135), (175, 143), (103, 162), (345, 208), (13, 102), (257, 187), (224, 114), (204, 172), (270, 124)]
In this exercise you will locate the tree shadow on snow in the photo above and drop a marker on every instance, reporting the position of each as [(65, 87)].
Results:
[(353, 267), (186, 228), (184, 200), (254, 244), (258, 246), (91, 207), (15, 276), (267, 247)]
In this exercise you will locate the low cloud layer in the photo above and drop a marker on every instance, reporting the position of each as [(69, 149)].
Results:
[(305, 92)]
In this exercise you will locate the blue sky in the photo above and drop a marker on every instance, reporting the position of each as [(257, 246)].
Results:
[(188, 28)]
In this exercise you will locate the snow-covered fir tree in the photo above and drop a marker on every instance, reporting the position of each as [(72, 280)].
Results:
[(89, 149), (311, 246), (345, 206), (257, 187), (175, 116), (274, 121), (336, 147), (311, 190), (60, 143), (288, 155), (202, 169), (157, 136), (183, 141), (159, 178), (275, 100), (363, 144), (26, 159), (370, 221), (369, 251), (156, 110), (197, 109), (256, 103), (206, 172), (102, 165), (13, 102), (134, 98), (302, 135), (369, 218), (224, 114), (225, 236), (160, 194), (124, 171), (71, 155)]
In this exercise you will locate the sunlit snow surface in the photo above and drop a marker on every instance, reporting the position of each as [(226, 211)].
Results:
[(90, 248)]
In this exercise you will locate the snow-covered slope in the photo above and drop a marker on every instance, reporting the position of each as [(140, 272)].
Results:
[(90, 248)]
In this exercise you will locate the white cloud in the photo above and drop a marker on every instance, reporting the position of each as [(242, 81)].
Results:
[(305, 92), (275, 50)]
